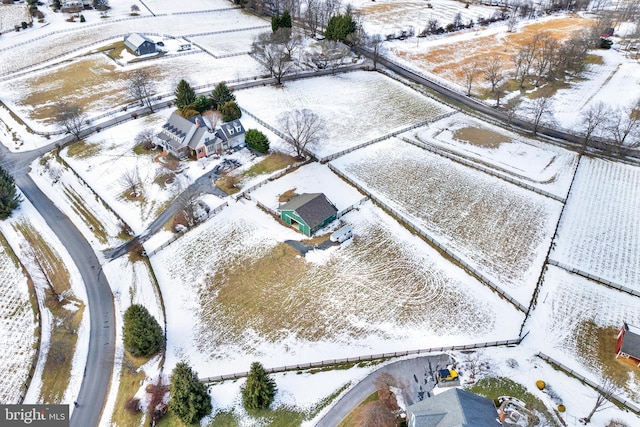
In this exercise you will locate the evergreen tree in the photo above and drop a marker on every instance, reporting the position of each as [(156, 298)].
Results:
[(230, 111), (281, 21), (202, 104), (189, 398), (257, 140), (339, 27), (9, 200), (259, 390), (185, 95), (220, 95), (142, 334)]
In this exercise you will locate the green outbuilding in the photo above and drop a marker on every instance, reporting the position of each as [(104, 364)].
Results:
[(309, 212)]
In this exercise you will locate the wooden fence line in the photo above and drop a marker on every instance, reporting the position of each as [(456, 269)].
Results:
[(403, 218), (365, 358), (622, 401), (175, 237), (245, 192), (595, 278), (466, 162)]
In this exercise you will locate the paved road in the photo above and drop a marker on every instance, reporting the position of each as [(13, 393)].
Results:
[(99, 365), (416, 374)]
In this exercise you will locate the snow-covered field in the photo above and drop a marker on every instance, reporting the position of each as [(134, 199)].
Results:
[(543, 166), (385, 291), (599, 232), (501, 229), (17, 327), (356, 107), (229, 43), (565, 323)]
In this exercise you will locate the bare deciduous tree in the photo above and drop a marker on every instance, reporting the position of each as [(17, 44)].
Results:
[(494, 74), (302, 128), (142, 88), (623, 124), (213, 118), (273, 56), (146, 137), (374, 43), (132, 182), (591, 119), (511, 108), (602, 400), (470, 72), (70, 117), (539, 112)]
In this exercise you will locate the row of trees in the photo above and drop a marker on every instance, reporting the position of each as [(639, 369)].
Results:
[(190, 401), (221, 99)]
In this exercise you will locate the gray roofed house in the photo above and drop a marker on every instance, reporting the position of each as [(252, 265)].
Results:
[(231, 133), (453, 408), (309, 211), (139, 44), (628, 344)]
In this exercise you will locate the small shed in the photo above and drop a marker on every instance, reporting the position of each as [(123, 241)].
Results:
[(454, 407), (309, 212), (139, 44), (628, 344)]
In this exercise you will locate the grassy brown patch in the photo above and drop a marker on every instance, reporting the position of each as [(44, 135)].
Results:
[(273, 162), (354, 419), (79, 207), (287, 195), (164, 178), (83, 149), (66, 310), (597, 348), (228, 184), (481, 137), (594, 59), (130, 381)]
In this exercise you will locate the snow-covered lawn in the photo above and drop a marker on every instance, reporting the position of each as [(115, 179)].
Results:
[(356, 107), (569, 324), (12, 15), (17, 327), (312, 178), (238, 293), (229, 43), (502, 230), (543, 166), (599, 232)]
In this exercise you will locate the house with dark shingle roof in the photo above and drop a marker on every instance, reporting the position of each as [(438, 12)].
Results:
[(191, 137), (309, 212), (628, 344), (139, 44), (453, 408)]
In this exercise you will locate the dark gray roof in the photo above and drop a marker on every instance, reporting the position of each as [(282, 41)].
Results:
[(631, 341), (313, 208), (135, 40), (455, 408), (229, 130)]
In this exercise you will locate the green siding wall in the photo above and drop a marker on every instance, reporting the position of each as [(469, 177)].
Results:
[(287, 216)]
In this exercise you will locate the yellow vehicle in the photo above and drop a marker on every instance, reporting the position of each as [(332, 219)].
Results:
[(447, 375)]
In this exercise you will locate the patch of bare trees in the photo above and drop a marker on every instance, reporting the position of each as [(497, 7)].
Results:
[(540, 112), (274, 52), (495, 74), (145, 138)]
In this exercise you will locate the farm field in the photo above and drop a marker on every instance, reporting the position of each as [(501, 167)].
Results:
[(384, 17), (598, 233), (18, 326), (94, 81), (72, 41), (543, 166), (576, 322), (500, 229), (387, 290), (356, 106), (443, 58)]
